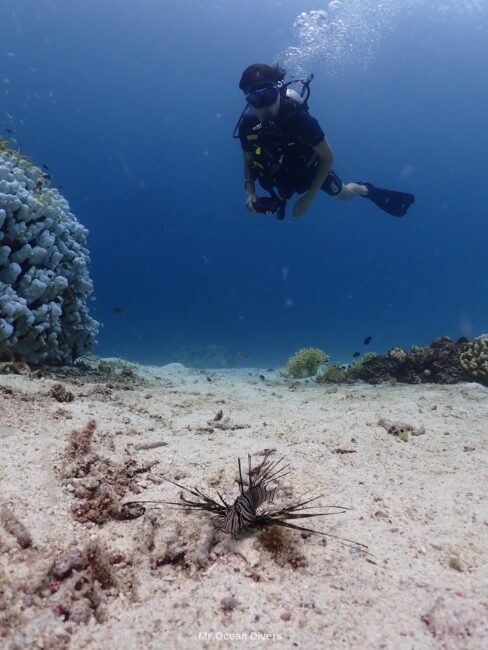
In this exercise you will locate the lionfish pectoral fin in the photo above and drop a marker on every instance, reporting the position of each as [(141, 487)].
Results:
[(303, 515), (340, 540), (223, 500), (195, 492)]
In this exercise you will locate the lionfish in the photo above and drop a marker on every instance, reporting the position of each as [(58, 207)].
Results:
[(247, 513)]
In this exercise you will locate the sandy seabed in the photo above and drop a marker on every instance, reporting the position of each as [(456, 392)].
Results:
[(73, 574)]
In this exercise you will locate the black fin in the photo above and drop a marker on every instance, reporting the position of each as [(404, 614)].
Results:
[(391, 201)]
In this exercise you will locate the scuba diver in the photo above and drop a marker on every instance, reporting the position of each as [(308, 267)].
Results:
[(286, 150)]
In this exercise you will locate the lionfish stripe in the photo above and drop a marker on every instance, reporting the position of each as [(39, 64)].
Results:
[(231, 523)]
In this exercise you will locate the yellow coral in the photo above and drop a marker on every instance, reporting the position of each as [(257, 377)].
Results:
[(306, 362)]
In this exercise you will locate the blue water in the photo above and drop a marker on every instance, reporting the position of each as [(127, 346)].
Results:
[(132, 104)]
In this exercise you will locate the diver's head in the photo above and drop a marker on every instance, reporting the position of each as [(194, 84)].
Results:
[(265, 102), (262, 85), (260, 74)]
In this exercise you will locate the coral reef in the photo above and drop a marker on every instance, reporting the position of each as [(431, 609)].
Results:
[(369, 356), (335, 373), (437, 363), (397, 354), (474, 358), (305, 362), (44, 280)]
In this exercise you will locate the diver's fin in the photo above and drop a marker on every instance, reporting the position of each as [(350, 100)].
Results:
[(395, 203)]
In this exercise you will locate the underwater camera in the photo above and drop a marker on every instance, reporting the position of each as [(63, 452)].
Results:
[(269, 205)]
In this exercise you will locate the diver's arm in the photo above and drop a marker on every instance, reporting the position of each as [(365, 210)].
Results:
[(324, 151), (249, 185)]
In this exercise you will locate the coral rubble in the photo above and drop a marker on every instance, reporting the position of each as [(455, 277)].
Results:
[(44, 279)]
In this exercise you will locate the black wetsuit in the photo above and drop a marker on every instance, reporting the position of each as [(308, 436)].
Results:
[(283, 157)]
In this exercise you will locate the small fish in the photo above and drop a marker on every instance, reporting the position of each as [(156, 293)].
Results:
[(356, 355), (9, 131), (47, 177), (45, 167), (243, 355), (367, 340), (117, 310)]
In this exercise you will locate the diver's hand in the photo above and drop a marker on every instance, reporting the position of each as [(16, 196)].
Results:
[(301, 206), (250, 200)]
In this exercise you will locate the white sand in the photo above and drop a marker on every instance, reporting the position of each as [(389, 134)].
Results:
[(421, 507)]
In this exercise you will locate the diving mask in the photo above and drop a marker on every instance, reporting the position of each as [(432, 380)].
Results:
[(263, 96)]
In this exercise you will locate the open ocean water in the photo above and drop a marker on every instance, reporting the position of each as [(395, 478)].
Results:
[(132, 103)]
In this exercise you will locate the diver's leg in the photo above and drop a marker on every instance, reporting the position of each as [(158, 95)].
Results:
[(391, 201), (350, 190), (343, 191)]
